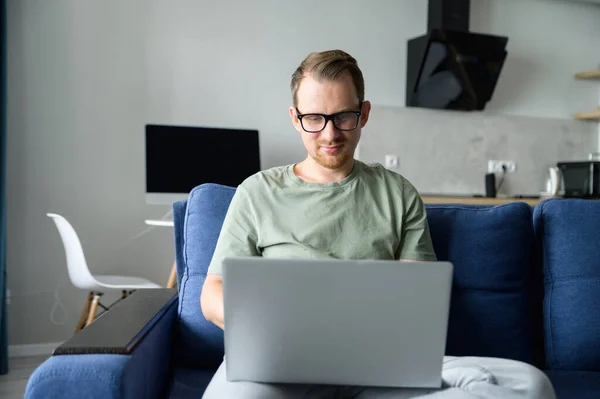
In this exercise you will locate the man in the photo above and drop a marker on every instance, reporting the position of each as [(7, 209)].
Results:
[(333, 206)]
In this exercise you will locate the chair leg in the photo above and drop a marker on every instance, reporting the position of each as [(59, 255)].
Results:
[(93, 309), (172, 276), (84, 313)]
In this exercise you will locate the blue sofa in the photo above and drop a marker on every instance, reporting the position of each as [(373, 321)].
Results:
[(526, 287)]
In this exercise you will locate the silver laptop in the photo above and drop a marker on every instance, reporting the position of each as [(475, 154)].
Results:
[(366, 323)]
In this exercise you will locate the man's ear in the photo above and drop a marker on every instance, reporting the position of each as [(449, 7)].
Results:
[(295, 121), (366, 110)]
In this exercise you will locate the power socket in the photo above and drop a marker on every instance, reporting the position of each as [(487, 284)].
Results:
[(391, 161), (495, 166)]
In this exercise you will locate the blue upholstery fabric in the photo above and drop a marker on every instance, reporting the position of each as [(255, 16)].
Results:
[(575, 384), (491, 248), (189, 383), (143, 374), (200, 343), (569, 234), (79, 376), (178, 221)]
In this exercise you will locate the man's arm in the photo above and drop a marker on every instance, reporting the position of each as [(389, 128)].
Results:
[(416, 244), (238, 237), (211, 300)]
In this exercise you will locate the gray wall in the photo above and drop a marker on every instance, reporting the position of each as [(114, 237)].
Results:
[(443, 152), (85, 76)]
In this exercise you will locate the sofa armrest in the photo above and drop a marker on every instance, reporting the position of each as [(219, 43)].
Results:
[(119, 330), (112, 359)]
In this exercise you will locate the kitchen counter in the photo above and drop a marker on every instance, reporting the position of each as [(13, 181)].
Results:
[(476, 200)]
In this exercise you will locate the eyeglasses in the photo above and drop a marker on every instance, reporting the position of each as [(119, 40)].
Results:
[(314, 123)]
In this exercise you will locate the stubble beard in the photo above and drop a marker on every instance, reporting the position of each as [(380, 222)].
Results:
[(333, 161)]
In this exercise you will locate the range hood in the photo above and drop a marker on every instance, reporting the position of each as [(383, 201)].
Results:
[(450, 67)]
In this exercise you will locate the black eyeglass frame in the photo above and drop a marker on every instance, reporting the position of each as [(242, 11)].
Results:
[(331, 117)]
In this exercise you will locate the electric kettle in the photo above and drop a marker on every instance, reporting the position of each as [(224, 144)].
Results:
[(553, 183)]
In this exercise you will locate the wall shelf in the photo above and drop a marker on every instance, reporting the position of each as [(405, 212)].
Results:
[(588, 75), (594, 115)]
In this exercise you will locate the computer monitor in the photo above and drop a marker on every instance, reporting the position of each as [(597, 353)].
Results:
[(179, 158)]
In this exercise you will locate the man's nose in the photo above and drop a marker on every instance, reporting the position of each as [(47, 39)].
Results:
[(329, 132)]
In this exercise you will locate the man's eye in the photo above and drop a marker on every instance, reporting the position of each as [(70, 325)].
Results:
[(343, 117), (313, 118)]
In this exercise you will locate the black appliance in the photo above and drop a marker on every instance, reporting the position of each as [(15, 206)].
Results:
[(580, 179), (450, 67)]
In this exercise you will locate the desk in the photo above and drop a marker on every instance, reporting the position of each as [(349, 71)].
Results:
[(166, 223), (160, 223)]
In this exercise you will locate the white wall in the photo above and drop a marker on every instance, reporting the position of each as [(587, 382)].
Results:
[(85, 76), (549, 41)]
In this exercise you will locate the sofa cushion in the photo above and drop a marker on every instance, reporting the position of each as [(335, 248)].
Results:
[(575, 384), (491, 248), (199, 342), (568, 232)]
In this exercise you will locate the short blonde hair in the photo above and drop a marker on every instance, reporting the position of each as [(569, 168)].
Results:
[(329, 65)]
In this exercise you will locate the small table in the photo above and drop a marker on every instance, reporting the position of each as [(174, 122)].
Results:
[(160, 223)]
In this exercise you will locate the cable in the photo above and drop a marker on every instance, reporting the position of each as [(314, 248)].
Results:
[(58, 304), (167, 214), (502, 179), (131, 239)]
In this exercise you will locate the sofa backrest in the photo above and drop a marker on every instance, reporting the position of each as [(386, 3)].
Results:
[(568, 233), (199, 343), (491, 248)]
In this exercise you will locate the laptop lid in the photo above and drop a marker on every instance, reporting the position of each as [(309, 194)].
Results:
[(341, 322)]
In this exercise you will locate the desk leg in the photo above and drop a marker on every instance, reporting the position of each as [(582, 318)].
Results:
[(172, 276)]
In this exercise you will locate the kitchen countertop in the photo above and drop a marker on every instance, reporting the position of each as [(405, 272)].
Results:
[(431, 198)]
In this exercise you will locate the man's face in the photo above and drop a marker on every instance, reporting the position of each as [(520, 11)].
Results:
[(331, 148)]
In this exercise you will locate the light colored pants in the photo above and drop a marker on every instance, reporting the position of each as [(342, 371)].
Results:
[(463, 377)]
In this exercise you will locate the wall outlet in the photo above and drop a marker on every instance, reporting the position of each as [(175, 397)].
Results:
[(391, 161), (495, 166), (8, 297)]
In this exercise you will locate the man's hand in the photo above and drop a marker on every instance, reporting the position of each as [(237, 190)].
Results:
[(211, 300)]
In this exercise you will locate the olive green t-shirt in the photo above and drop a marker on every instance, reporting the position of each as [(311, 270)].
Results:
[(373, 213)]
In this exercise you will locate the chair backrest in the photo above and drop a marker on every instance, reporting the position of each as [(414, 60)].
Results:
[(77, 267)]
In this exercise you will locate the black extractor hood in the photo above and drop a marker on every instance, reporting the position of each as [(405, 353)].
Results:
[(450, 67)]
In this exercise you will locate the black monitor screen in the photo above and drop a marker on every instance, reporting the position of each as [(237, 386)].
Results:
[(179, 158)]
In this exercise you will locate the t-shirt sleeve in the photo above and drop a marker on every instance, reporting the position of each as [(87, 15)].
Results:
[(238, 235), (416, 241)]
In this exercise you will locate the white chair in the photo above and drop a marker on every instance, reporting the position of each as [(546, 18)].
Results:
[(80, 276)]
